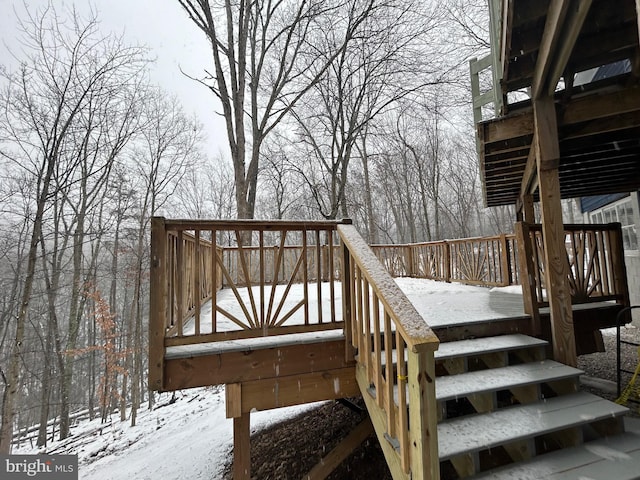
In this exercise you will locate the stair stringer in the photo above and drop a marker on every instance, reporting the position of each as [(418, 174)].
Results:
[(378, 417), (421, 460)]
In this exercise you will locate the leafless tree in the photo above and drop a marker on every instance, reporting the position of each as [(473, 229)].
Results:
[(266, 58), (383, 66), (66, 68), (167, 149)]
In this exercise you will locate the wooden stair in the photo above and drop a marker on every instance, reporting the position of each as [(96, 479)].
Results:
[(506, 411), (503, 405)]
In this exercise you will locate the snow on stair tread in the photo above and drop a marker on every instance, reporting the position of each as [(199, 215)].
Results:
[(495, 379), (483, 431), (480, 346), (439, 323), (477, 346), (612, 458)]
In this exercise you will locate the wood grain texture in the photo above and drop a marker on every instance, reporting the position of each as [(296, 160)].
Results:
[(555, 254)]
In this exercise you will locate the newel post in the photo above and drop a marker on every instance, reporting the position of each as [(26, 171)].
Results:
[(157, 302), (526, 274), (618, 264), (423, 416), (505, 261), (446, 253), (347, 272), (408, 255)]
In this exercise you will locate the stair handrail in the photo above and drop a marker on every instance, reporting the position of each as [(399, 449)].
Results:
[(382, 326)]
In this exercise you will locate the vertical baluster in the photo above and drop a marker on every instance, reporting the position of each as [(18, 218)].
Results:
[(214, 281), (319, 276), (305, 276), (197, 293), (171, 286), (261, 266), (403, 424), (179, 282), (377, 349), (359, 313), (332, 287), (347, 300), (389, 375), (365, 355)]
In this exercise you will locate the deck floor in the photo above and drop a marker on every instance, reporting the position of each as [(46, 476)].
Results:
[(441, 304)]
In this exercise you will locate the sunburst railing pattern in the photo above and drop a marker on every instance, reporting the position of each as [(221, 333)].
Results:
[(488, 261), (596, 263), (253, 275)]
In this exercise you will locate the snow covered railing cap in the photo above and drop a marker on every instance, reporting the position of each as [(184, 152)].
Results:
[(409, 323)]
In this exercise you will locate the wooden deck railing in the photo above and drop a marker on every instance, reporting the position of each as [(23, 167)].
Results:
[(487, 261), (257, 273), (595, 255), (189, 277), (387, 331), (277, 265)]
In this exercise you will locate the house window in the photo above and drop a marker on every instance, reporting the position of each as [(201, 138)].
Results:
[(622, 212)]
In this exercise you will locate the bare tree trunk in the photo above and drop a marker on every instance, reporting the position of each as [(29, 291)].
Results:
[(372, 228), (13, 375)]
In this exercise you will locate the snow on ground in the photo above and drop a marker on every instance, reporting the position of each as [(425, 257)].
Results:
[(188, 439)]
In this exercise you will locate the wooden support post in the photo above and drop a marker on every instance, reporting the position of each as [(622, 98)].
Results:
[(505, 261), (529, 215), (556, 264), (527, 275), (423, 415), (241, 448), (241, 432), (618, 265), (638, 16), (446, 260), (158, 321), (408, 262)]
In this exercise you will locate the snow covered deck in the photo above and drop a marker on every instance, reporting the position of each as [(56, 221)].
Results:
[(442, 305)]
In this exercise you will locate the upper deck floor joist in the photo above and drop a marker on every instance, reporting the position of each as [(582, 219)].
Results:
[(540, 47)]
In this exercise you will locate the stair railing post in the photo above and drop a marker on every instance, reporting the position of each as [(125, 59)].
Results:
[(408, 261), (423, 416), (618, 265), (527, 275), (347, 301), (505, 261)]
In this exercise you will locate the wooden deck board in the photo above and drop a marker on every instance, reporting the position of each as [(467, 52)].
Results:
[(503, 343), (616, 457), (497, 379), (251, 344), (481, 432)]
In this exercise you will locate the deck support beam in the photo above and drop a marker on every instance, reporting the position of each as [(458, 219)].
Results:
[(242, 447), (241, 432), (562, 28), (555, 255)]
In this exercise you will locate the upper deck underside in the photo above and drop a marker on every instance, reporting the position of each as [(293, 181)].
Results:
[(598, 122)]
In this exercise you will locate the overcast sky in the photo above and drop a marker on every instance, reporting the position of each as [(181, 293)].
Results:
[(162, 26)]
